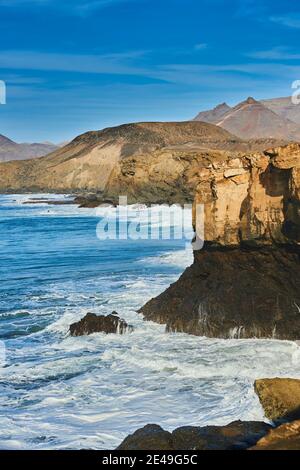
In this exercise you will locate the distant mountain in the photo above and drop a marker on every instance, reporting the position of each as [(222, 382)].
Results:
[(253, 119), (10, 150), (284, 107), (213, 115)]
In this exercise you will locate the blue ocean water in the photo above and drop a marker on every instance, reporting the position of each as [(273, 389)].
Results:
[(59, 392)]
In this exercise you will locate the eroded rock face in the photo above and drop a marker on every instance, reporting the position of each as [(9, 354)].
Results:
[(253, 200), (280, 399), (285, 437), (92, 323), (237, 435), (246, 281)]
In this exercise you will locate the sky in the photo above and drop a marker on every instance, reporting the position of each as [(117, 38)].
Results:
[(71, 66)]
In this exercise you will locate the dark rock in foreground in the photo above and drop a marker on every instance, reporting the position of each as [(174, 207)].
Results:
[(234, 293), (285, 437), (237, 435), (92, 323), (280, 398)]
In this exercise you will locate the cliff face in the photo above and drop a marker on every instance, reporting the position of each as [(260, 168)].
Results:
[(246, 280), (252, 200)]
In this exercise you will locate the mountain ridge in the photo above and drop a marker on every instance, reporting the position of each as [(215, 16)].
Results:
[(10, 150), (256, 119)]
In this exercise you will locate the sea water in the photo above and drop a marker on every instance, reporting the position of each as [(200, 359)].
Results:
[(90, 392)]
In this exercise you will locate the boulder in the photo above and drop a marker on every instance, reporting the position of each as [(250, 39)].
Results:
[(237, 435), (280, 398), (150, 437), (285, 437), (92, 323)]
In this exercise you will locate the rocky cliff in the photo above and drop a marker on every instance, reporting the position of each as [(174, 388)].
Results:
[(246, 280)]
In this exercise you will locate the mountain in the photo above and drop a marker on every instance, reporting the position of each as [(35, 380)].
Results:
[(150, 162), (284, 107), (214, 115), (252, 119), (10, 150)]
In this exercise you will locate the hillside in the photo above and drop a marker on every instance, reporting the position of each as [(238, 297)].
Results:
[(101, 160), (149, 162)]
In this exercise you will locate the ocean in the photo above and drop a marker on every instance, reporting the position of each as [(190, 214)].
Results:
[(90, 392)]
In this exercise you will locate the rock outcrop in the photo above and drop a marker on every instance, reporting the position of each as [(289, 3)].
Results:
[(92, 323), (245, 282), (280, 399), (285, 437), (238, 435)]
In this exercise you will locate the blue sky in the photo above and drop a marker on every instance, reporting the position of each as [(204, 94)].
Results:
[(71, 66)]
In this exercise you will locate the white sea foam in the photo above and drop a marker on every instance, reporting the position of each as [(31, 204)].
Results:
[(62, 392)]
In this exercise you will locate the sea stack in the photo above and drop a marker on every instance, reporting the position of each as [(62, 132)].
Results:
[(245, 282)]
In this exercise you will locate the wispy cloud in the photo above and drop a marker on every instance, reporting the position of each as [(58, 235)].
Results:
[(201, 46), (120, 64), (291, 20), (131, 64), (81, 7), (276, 53)]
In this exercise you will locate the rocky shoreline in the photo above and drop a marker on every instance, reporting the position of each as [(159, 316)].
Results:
[(280, 398)]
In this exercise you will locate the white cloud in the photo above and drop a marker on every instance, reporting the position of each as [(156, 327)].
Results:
[(291, 20)]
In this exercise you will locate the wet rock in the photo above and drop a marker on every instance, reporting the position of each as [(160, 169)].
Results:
[(285, 437), (92, 323), (280, 398), (237, 435), (150, 437), (237, 293)]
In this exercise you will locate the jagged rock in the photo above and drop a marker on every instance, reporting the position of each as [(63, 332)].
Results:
[(245, 282), (237, 435), (92, 323), (280, 398), (285, 437)]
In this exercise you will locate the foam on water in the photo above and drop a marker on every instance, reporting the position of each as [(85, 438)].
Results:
[(90, 392)]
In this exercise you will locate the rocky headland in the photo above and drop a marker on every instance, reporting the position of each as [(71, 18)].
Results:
[(245, 282), (150, 163)]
